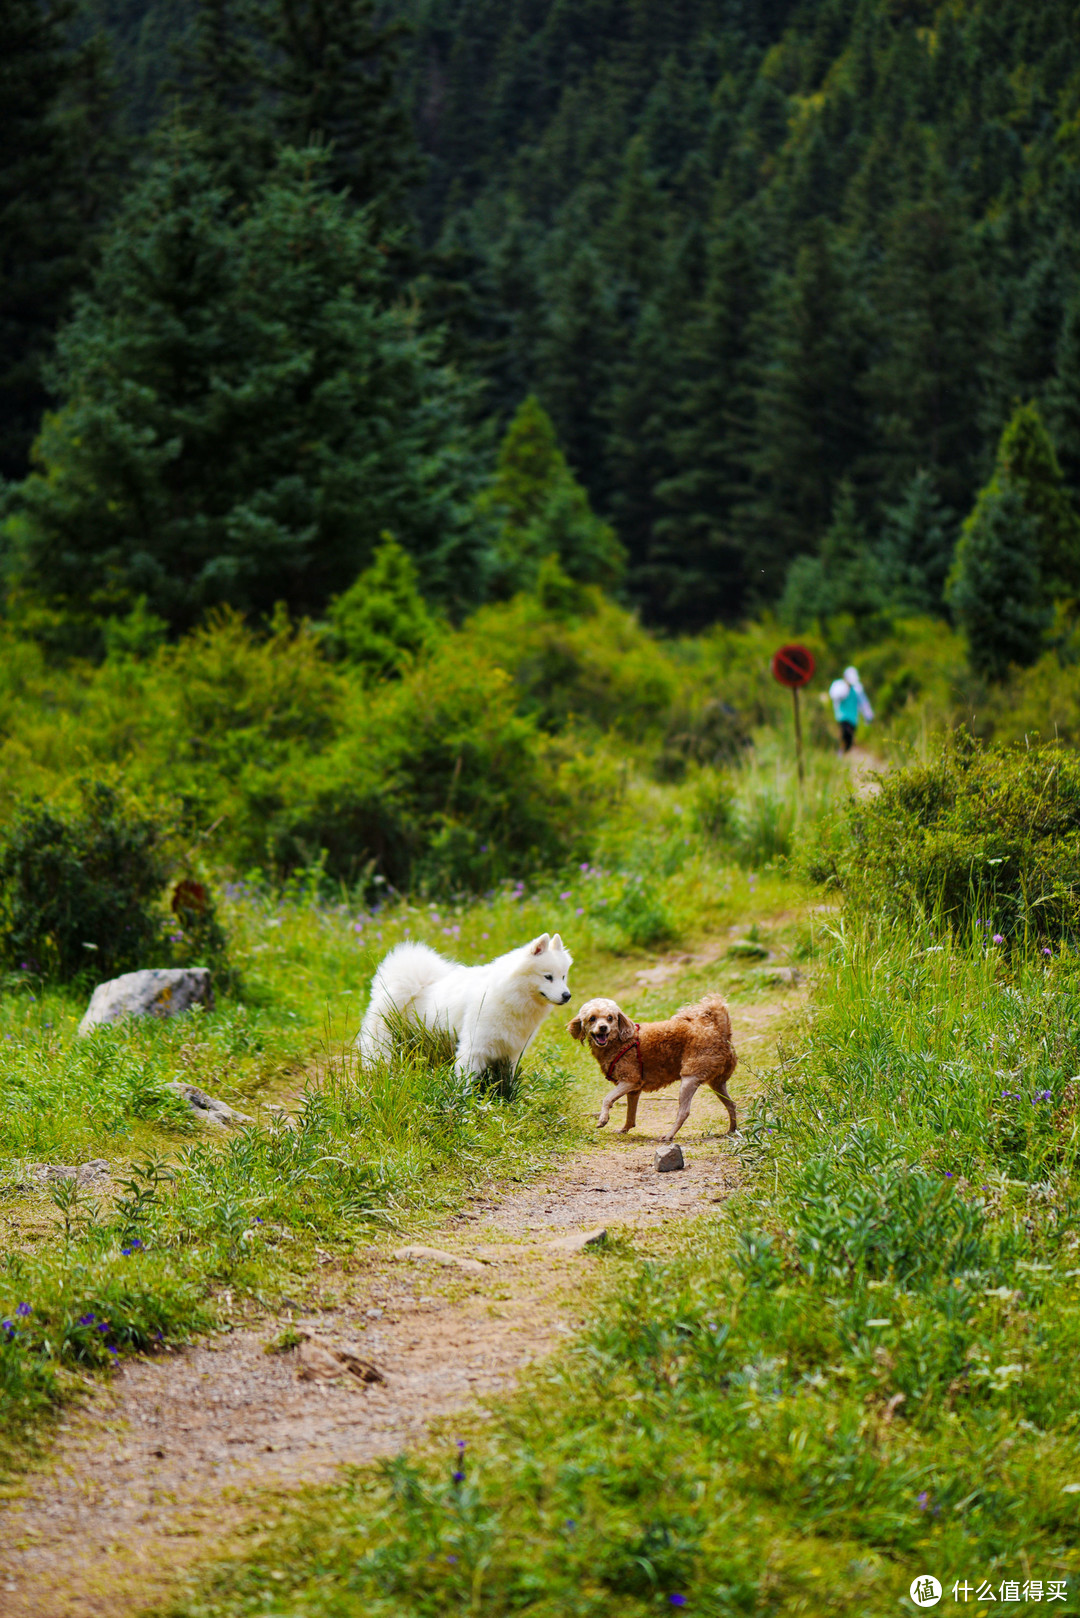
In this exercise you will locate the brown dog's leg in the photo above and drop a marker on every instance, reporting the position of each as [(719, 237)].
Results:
[(688, 1088), (720, 1088), (610, 1099), (631, 1111), (721, 1091)]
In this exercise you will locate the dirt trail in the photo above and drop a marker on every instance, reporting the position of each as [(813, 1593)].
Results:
[(171, 1457)]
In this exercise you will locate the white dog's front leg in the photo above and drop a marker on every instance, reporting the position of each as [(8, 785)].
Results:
[(617, 1094)]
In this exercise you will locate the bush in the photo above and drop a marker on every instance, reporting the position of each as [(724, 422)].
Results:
[(985, 838), (80, 891)]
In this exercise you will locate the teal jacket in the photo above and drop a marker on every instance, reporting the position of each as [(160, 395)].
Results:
[(847, 709)]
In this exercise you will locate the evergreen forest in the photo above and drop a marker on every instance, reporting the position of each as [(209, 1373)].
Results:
[(276, 276)]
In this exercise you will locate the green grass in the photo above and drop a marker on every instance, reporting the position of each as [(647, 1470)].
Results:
[(864, 1369), (219, 1225)]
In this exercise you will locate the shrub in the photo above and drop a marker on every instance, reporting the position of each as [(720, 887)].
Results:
[(81, 890), (981, 835), (381, 623)]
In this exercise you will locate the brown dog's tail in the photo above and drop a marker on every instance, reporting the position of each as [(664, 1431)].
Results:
[(713, 1006)]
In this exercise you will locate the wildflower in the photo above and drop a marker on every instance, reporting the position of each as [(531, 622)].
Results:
[(570, 1523), (358, 926), (87, 1320), (258, 1221), (104, 1327), (948, 1174), (461, 1443), (483, 848), (564, 895), (580, 911), (22, 1309), (115, 1352), (1043, 1095), (922, 1499), (459, 1477), (451, 1558), (999, 938), (677, 1600), (1047, 950), (136, 1244), (9, 1327), (485, 935)]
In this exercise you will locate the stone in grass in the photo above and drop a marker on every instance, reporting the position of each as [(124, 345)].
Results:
[(83, 1173), (789, 975), (669, 1157), (208, 1109), (164, 992), (439, 1255), (320, 1360), (578, 1240)]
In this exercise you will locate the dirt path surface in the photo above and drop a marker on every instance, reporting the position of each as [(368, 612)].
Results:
[(155, 1473)]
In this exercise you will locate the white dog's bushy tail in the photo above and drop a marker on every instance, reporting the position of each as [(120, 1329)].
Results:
[(403, 974)]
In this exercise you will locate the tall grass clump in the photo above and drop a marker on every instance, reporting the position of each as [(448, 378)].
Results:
[(984, 839)]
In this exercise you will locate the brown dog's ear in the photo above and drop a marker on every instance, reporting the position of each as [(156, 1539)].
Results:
[(627, 1030), (575, 1029)]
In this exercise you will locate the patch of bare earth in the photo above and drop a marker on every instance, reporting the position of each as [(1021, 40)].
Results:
[(158, 1468)]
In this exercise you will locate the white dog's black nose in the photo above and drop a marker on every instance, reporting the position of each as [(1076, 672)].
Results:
[(565, 996)]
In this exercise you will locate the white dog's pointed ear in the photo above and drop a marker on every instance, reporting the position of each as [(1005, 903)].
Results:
[(556, 942), (540, 945), (574, 1027)]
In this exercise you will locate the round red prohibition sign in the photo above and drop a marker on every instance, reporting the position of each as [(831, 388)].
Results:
[(793, 666)]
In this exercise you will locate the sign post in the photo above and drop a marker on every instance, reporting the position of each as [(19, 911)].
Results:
[(793, 666)]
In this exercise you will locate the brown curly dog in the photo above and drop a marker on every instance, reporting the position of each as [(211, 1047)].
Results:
[(691, 1048)]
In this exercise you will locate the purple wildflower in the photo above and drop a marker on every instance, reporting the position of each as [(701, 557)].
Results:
[(459, 1477), (87, 1320), (564, 895), (580, 911), (1047, 951), (22, 1309), (948, 1174), (451, 1558), (922, 1499), (461, 1443), (9, 1327), (1043, 1095), (104, 1327), (999, 938), (136, 1244), (677, 1600)]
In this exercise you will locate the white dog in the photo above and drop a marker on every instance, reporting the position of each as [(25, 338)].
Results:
[(492, 1011)]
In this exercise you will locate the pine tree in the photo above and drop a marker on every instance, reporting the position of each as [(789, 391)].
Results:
[(1063, 395), (996, 589), (381, 623), (696, 569), (1019, 547), (56, 156), (846, 578), (334, 79), (242, 416), (916, 548), (224, 88), (931, 323), (539, 510), (808, 410), (1027, 460)]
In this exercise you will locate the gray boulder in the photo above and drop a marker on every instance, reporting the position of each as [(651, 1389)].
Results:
[(156, 993), (669, 1158), (207, 1109)]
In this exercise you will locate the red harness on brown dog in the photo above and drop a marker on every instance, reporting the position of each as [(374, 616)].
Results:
[(631, 1045)]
